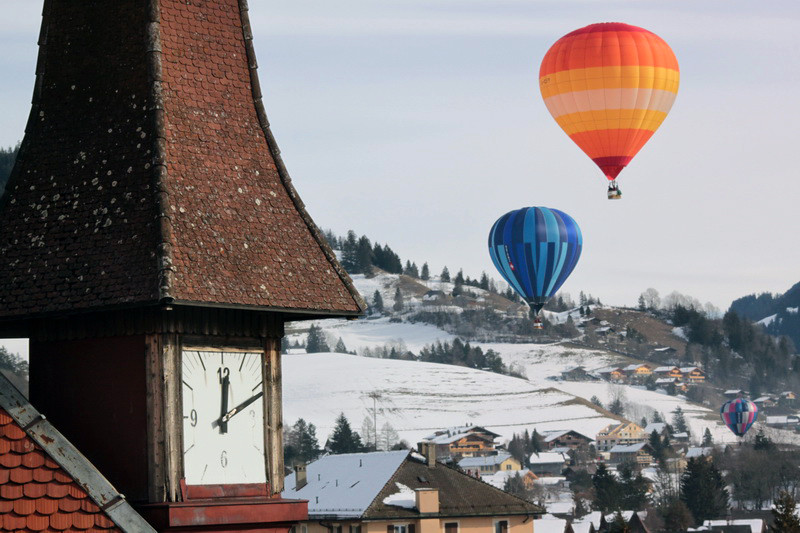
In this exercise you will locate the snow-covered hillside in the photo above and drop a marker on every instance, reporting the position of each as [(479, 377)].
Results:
[(417, 398)]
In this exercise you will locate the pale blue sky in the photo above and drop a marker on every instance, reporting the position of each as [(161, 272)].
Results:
[(419, 123)]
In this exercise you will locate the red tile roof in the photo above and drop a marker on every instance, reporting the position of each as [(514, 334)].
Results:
[(154, 177), (46, 484), (36, 494)]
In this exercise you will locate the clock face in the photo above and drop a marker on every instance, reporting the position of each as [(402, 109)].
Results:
[(223, 417)]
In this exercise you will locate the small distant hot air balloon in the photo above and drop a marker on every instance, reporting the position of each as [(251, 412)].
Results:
[(535, 249), (739, 415), (609, 86)]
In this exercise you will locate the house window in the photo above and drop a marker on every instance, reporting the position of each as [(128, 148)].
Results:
[(404, 528), (508, 467), (336, 529), (501, 526), (451, 527), (355, 528)]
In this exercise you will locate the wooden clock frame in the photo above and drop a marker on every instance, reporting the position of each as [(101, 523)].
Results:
[(165, 409)]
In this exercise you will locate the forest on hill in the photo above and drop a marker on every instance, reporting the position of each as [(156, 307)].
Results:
[(7, 158), (780, 313)]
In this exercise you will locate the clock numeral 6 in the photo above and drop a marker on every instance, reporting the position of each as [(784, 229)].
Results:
[(193, 418), (223, 459)]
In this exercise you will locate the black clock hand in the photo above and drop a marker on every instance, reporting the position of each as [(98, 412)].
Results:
[(236, 410), (223, 426)]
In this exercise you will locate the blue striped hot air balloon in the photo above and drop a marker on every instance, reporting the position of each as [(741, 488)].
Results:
[(535, 249)]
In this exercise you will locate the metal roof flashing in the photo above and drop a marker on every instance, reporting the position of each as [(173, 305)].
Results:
[(60, 450)]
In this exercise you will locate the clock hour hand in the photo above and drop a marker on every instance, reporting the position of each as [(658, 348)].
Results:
[(225, 382), (238, 409)]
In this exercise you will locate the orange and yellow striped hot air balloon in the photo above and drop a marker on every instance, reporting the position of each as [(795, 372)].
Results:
[(609, 86)]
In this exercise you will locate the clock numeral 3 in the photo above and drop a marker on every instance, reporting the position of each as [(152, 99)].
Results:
[(223, 459)]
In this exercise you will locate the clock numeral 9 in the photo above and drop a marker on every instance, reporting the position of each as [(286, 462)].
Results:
[(193, 418), (223, 373), (223, 459)]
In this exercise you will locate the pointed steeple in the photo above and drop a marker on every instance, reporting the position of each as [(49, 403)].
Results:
[(148, 173)]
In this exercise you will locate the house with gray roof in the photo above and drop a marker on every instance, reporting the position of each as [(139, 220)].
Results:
[(402, 492), (489, 464)]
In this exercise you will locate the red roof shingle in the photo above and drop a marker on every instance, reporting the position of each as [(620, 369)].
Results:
[(36, 494)]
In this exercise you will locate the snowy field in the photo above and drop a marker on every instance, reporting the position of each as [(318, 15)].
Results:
[(418, 398)]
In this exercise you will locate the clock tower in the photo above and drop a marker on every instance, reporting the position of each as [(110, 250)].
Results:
[(152, 248)]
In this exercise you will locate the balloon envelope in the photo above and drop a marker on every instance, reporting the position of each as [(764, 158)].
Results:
[(739, 415), (535, 249), (609, 86)]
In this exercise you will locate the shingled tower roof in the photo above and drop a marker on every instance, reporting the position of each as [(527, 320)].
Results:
[(148, 173)]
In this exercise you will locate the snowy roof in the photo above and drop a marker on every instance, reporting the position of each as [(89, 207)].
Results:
[(785, 419), (549, 524), (561, 449), (661, 381), (486, 460), (665, 369), (602, 330), (498, 479), (634, 366), (764, 399), (449, 435), (664, 349), (734, 391), (694, 452), (345, 485), (756, 524), (687, 369), (547, 458), (550, 436), (658, 427), (628, 448), (608, 369), (681, 435)]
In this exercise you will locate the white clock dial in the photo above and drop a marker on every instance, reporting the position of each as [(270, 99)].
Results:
[(223, 417)]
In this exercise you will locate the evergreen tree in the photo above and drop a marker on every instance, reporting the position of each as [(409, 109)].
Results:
[(350, 253), (398, 300), (679, 421), (445, 275), (642, 304), (377, 302), (783, 513), (13, 363), (364, 255), (676, 515), (762, 442), (703, 490), (606, 491), (514, 485), (657, 418), (460, 277), (344, 439), (426, 273), (708, 440), (484, 283), (633, 487), (596, 401), (340, 347), (300, 443), (316, 343), (617, 407), (655, 443)]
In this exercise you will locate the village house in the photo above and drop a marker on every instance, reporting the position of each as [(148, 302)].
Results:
[(637, 372), (612, 373), (402, 492), (640, 453), (765, 402), (693, 374), (783, 421), (659, 427), (566, 438), (695, 452), (624, 434), (465, 441), (489, 464), (668, 372), (548, 463), (664, 352), (667, 383), (578, 373)]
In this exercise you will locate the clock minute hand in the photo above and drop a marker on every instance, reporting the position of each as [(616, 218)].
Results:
[(239, 408)]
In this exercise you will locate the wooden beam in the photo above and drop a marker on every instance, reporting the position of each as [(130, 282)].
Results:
[(273, 408)]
